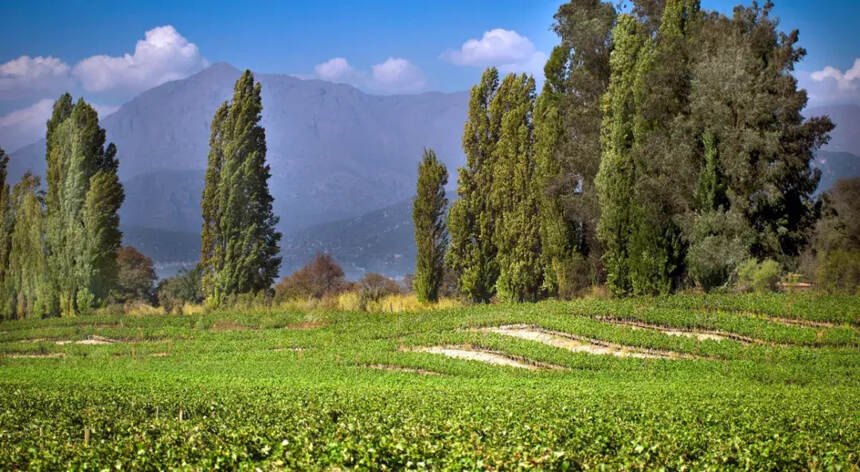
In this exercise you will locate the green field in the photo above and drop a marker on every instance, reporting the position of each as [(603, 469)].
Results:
[(772, 382)]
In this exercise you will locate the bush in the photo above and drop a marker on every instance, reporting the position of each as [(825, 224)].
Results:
[(320, 277), (759, 276), (135, 277), (839, 272), (719, 243), (175, 292)]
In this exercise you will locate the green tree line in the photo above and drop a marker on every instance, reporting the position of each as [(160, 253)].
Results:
[(666, 148)]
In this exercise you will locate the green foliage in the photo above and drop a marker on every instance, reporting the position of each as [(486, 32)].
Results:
[(232, 390), (718, 243), (26, 290), (431, 239), (838, 271), (513, 194), (84, 195), (7, 223), (761, 277), (239, 242), (185, 287), (472, 220)]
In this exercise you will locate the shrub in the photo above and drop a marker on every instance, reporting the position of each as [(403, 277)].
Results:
[(319, 277), (175, 292), (759, 276), (719, 242), (839, 272)]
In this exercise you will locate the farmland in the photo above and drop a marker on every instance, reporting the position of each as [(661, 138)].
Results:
[(683, 382)]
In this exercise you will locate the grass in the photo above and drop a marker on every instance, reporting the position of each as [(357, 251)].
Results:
[(293, 389)]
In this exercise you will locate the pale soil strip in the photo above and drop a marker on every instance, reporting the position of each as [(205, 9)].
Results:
[(800, 322), (578, 344), (483, 355), (294, 349), (53, 355), (397, 368), (701, 335)]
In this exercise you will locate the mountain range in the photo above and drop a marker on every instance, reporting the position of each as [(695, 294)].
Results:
[(343, 165)]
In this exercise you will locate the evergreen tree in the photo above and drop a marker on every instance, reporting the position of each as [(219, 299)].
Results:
[(26, 289), (84, 194), (617, 175), (431, 239), (239, 240), (513, 193), (471, 221)]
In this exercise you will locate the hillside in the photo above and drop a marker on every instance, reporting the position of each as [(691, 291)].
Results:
[(335, 152)]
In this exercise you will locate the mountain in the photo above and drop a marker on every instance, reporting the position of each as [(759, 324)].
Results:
[(835, 166), (380, 241), (334, 151), (846, 136), (169, 250)]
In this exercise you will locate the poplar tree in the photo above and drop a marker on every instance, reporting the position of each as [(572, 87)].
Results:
[(26, 286), (6, 227), (239, 241), (431, 238), (84, 194), (567, 121), (471, 221), (513, 197)]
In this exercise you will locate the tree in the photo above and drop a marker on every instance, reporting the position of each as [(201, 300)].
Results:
[(513, 193), (135, 277), (318, 278), (84, 194), (567, 121), (6, 223), (185, 287), (239, 239), (471, 221), (431, 238), (26, 290), (617, 175)]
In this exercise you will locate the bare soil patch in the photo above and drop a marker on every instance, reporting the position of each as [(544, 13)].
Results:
[(486, 356), (293, 349), (46, 355), (580, 344), (698, 334), (398, 368), (799, 322)]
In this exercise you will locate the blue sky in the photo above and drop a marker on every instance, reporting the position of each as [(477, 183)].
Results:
[(379, 46)]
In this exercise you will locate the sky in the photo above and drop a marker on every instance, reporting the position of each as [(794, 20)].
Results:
[(110, 51)]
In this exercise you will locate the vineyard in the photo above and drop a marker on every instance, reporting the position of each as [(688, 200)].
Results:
[(763, 382)]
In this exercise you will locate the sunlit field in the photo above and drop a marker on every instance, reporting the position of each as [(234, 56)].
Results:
[(685, 382)]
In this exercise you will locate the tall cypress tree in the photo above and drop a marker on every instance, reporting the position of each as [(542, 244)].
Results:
[(471, 221), (239, 240), (84, 195), (617, 175), (431, 238), (26, 286)]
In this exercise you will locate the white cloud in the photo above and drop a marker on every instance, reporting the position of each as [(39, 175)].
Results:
[(27, 76), (163, 55), (395, 75), (505, 49), (22, 127), (831, 85), (336, 70)]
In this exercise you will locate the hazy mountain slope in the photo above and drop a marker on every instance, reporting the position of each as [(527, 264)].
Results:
[(380, 241), (846, 136), (835, 166), (335, 152)]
